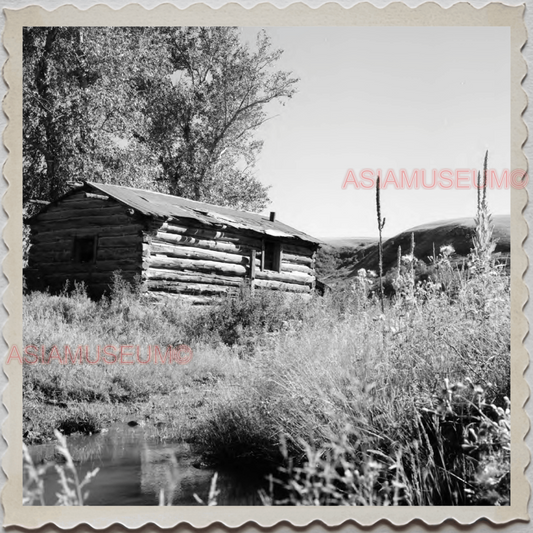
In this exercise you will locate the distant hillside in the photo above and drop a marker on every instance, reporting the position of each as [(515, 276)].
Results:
[(428, 237), (337, 257), (457, 232)]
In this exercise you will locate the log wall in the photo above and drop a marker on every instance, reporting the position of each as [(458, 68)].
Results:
[(118, 234), (185, 258), (180, 258)]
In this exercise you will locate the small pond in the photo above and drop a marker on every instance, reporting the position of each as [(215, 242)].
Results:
[(135, 465)]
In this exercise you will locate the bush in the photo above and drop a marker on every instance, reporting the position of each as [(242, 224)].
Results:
[(245, 318), (80, 422)]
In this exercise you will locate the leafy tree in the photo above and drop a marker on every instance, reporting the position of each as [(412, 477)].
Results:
[(207, 109), (82, 107), (171, 109)]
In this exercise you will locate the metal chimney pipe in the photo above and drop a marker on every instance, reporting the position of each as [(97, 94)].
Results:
[(272, 216)]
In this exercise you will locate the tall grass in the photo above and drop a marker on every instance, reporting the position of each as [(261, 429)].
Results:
[(360, 403), (85, 397), (71, 487), (483, 241), (416, 388), (381, 225), (406, 407)]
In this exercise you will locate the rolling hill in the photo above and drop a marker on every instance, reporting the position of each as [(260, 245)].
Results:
[(340, 255), (428, 237)]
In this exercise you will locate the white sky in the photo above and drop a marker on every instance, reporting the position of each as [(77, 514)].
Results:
[(384, 98)]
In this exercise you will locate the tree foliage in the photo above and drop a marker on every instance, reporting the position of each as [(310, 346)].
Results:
[(82, 108), (217, 91), (170, 109)]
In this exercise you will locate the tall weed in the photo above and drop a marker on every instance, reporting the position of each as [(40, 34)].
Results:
[(411, 438)]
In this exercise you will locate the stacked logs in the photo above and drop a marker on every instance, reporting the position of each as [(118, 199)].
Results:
[(184, 258), (180, 257), (118, 247)]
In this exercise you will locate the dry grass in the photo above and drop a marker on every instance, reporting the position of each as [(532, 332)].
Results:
[(86, 397), (410, 392), (403, 407)]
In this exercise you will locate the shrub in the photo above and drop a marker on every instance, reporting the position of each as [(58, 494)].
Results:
[(79, 422), (245, 318)]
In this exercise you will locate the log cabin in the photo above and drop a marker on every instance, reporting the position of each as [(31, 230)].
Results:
[(174, 246)]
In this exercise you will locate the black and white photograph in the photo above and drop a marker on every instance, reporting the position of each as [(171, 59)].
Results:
[(266, 265)]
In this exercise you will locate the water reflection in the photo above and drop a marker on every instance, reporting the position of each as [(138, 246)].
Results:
[(135, 467)]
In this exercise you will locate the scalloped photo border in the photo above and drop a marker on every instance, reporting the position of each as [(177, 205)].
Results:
[(396, 14)]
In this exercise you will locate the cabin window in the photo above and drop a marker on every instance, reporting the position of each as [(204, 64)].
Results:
[(84, 249), (272, 256)]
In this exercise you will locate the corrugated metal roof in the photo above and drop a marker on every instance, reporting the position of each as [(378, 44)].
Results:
[(157, 204)]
